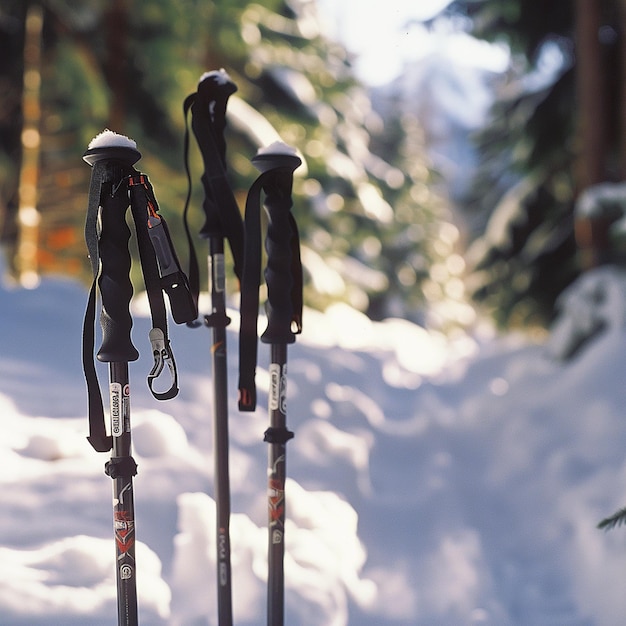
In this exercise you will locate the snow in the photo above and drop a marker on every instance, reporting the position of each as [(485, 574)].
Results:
[(109, 139), (221, 77), (602, 200), (432, 480), (277, 147)]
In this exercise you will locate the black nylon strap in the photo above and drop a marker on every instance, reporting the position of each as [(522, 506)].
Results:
[(249, 302), (166, 272), (193, 272), (98, 437), (140, 195), (149, 266)]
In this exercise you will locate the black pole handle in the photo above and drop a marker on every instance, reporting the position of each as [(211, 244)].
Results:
[(278, 169), (283, 273), (208, 123), (214, 89), (114, 281)]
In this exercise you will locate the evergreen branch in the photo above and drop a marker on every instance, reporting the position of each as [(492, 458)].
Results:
[(617, 519)]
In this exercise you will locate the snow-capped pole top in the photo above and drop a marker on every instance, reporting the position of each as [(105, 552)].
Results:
[(109, 139), (278, 147), (109, 145), (277, 154), (220, 76)]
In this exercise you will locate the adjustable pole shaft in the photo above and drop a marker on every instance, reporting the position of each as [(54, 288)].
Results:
[(277, 436), (220, 427), (278, 334), (123, 495)]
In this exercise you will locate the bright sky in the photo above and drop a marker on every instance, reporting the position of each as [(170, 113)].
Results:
[(377, 32)]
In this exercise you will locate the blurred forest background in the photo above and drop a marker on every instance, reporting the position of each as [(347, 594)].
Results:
[(382, 228)]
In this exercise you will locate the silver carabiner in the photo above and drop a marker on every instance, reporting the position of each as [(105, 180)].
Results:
[(162, 353)]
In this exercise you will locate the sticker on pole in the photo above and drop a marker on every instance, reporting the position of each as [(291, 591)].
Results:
[(217, 272), (115, 393), (278, 388)]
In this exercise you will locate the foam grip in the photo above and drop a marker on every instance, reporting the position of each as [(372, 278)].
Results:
[(278, 275), (115, 286), (214, 89), (208, 123)]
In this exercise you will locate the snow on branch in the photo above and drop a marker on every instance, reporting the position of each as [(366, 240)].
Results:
[(595, 303), (603, 200)]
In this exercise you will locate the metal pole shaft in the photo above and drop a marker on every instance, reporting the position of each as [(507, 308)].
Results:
[(220, 429), (277, 437), (123, 497)]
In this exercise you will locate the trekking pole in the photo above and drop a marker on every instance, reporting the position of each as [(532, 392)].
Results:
[(223, 220), (115, 185), (283, 276), (115, 164)]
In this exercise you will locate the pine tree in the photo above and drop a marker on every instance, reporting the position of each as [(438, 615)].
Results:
[(367, 227), (543, 145)]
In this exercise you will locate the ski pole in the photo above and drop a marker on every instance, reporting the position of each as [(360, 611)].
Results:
[(223, 220), (114, 185), (283, 277), (115, 164)]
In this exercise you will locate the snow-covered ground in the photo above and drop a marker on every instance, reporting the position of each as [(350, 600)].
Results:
[(431, 481)]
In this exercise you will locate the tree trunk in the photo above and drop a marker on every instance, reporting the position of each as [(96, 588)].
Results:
[(116, 61), (591, 83), (622, 95), (591, 232), (28, 217)]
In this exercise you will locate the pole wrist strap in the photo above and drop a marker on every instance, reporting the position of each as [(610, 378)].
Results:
[(161, 272), (291, 315)]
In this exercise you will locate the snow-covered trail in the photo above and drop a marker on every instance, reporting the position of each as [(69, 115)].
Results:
[(430, 481)]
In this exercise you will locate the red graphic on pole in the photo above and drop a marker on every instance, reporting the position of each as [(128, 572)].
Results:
[(124, 531)]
